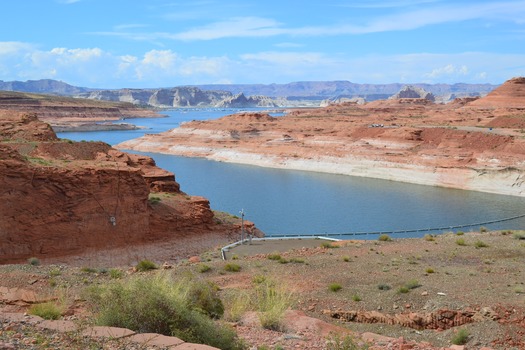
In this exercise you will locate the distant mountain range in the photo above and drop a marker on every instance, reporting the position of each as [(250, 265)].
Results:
[(307, 93)]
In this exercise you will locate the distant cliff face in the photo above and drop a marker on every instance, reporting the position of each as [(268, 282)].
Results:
[(413, 92)]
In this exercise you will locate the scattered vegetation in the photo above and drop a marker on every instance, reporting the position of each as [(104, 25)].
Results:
[(356, 297), (336, 342), (461, 337), (154, 199), (274, 256), (384, 238), (429, 270), (272, 302), (328, 245), (55, 271), (88, 270), (346, 258), (519, 235), (202, 268), (48, 311), (460, 233), (405, 288), (461, 242), (259, 279), (480, 244), (145, 265), (429, 237), (232, 267), (383, 286), (483, 229), (335, 287), (159, 304), (297, 260), (115, 273)]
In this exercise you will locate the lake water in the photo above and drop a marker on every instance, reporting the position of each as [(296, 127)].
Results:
[(296, 202)]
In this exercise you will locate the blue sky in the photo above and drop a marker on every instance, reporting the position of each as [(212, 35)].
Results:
[(162, 43)]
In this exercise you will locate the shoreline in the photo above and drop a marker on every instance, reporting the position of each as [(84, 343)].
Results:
[(505, 181)]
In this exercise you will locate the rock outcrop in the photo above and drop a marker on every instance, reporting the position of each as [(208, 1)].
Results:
[(59, 197), (410, 91), (414, 140), (511, 94)]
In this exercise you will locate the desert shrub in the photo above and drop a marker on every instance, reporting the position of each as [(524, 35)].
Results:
[(48, 311), (335, 287), (259, 279), (202, 268), (158, 304), (461, 337), (154, 199), (115, 273), (145, 265), (429, 237), (346, 258), (403, 290), (328, 245), (297, 260), (356, 297), (231, 267), (460, 233), (383, 286), (236, 304), (336, 342), (429, 270), (54, 272), (274, 256), (384, 238), (88, 270), (33, 261), (519, 235), (271, 302), (412, 284), (461, 242), (283, 261), (480, 244), (483, 229)]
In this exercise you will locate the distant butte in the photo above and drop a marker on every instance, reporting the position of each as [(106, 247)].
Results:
[(471, 144)]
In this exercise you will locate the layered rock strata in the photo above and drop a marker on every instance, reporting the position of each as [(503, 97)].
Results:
[(59, 197), (460, 145)]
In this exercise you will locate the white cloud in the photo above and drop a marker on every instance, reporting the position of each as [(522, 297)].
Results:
[(448, 70), (94, 67)]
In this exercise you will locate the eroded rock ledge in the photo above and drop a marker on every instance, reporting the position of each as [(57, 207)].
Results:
[(464, 145)]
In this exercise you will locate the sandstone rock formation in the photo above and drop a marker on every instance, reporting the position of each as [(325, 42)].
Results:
[(59, 197), (459, 145), (409, 91)]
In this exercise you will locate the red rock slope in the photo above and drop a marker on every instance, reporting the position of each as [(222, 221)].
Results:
[(59, 197)]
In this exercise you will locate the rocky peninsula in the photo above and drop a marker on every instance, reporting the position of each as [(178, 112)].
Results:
[(471, 143)]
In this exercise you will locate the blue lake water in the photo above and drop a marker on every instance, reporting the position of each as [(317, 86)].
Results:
[(296, 202)]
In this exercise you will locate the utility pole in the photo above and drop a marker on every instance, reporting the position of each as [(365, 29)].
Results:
[(242, 225)]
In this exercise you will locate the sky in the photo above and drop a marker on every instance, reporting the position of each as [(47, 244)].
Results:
[(165, 43)]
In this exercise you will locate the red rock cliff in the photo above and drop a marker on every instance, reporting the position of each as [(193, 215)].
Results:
[(59, 197)]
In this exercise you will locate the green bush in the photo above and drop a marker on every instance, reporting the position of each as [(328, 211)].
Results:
[(429, 237), (48, 311), (460, 233), (335, 287), (483, 229), (429, 270), (202, 268), (33, 261), (115, 273), (383, 286), (274, 256), (519, 235), (356, 297), (336, 342), (461, 337), (328, 245), (271, 303), (384, 238), (480, 244), (231, 267), (88, 270), (158, 304), (461, 242), (145, 265)]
